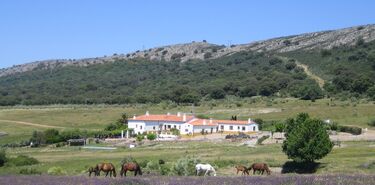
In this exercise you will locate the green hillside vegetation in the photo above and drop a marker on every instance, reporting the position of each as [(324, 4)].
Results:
[(243, 74), (349, 70)]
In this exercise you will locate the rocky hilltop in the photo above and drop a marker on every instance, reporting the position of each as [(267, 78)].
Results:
[(204, 50)]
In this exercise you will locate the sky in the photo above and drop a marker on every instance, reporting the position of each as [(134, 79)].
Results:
[(66, 29)]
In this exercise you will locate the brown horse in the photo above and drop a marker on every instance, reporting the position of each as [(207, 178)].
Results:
[(242, 168), (92, 170), (261, 167), (130, 166), (107, 168)]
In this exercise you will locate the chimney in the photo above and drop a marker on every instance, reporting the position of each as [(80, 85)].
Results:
[(147, 113), (249, 120), (168, 114), (210, 120), (204, 122), (178, 114), (134, 116), (184, 117)]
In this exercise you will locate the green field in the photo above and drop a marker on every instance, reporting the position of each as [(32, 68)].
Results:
[(348, 159)]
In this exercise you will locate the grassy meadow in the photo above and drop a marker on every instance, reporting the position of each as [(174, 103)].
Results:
[(352, 157)]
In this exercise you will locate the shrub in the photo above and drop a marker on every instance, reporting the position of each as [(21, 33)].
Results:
[(371, 123), (177, 56), (140, 137), (175, 131), (56, 170), (279, 127), (263, 138), (325, 53), (207, 55), (30, 171), (151, 136), (185, 166), (287, 42), (3, 157), (350, 129), (275, 61), (22, 160)]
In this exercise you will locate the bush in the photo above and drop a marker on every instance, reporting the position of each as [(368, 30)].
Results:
[(185, 166), (371, 123), (263, 138), (3, 157), (30, 171), (349, 129), (175, 131), (56, 170), (140, 137), (151, 136), (22, 160), (207, 55)]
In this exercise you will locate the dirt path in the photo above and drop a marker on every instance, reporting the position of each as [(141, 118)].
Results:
[(319, 80), (305, 68), (30, 124)]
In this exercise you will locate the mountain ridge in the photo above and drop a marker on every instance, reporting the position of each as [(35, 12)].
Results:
[(203, 50)]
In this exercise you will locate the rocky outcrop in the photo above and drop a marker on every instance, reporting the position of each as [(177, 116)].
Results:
[(204, 50)]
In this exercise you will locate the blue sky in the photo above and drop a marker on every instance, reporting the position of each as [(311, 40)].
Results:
[(45, 29)]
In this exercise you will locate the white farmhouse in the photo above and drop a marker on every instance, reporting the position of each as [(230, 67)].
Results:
[(187, 124)]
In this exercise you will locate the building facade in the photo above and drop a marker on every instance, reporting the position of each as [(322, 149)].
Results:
[(187, 124)]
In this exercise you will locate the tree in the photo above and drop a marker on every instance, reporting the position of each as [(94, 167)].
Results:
[(52, 136), (217, 94), (306, 139)]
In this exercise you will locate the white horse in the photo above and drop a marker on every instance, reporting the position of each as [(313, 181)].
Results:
[(207, 168)]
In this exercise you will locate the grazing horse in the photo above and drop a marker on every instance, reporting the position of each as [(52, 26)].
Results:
[(207, 168), (131, 166), (92, 170), (242, 168), (105, 167), (261, 167)]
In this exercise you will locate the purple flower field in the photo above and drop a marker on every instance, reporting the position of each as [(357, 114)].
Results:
[(165, 180)]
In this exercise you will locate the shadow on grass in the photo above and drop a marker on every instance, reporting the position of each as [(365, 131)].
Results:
[(301, 168)]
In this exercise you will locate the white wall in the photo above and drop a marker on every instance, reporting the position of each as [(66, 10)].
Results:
[(198, 129), (137, 126), (239, 128)]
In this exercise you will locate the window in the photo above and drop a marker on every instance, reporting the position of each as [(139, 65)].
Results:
[(230, 127), (136, 126), (222, 127), (243, 128), (253, 128), (186, 130), (153, 128), (140, 127), (174, 126), (169, 126), (179, 127), (238, 128)]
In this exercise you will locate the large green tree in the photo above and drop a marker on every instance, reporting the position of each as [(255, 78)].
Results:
[(306, 139)]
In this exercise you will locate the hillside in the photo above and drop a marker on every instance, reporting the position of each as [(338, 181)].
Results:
[(204, 50), (189, 73)]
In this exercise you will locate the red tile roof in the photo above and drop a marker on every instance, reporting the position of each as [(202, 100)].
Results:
[(162, 117), (202, 122)]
